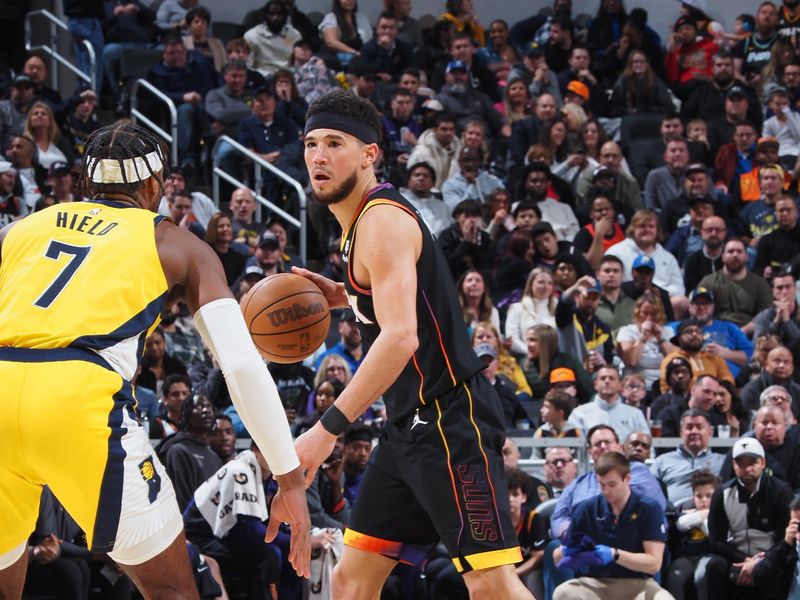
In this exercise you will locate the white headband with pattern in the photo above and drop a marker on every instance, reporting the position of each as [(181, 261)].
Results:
[(110, 170)]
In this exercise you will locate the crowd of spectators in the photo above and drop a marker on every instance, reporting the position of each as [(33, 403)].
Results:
[(618, 209)]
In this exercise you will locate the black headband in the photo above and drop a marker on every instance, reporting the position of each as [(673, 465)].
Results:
[(328, 120)]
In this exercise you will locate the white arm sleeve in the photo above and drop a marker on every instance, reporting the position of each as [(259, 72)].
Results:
[(251, 386)]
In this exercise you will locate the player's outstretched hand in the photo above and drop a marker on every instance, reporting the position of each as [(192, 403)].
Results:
[(334, 292), (291, 507), (313, 448)]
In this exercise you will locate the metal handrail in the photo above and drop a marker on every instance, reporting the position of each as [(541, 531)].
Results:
[(53, 54), (301, 224), (172, 136)]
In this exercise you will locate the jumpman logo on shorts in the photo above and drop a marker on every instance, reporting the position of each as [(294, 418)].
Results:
[(417, 420)]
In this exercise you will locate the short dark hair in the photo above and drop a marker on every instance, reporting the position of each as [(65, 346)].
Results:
[(469, 206), (795, 503), (517, 479), (172, 39), (563, 21), (538, 166), (670, 116), (561, 401), (745, 123), (612, 461), (198, 11), (387, 14), (401, 92), (460, 35), (695, 412), (596, 192), (348, 104), (413, 71), (424, 165), (443, 117), (171, 380), (526, 205), (234, 65), (704, 477), (597, 428), (579, 46), (610, 258)]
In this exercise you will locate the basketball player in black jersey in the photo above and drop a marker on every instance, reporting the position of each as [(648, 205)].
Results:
[(436, 473)]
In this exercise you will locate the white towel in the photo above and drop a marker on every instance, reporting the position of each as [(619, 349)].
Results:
[(234, 490)]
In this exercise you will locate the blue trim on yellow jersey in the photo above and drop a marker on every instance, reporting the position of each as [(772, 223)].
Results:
[(137, 325), (109, 505), (38, 355)]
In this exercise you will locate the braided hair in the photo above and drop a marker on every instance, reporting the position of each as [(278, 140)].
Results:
[(122, 141)]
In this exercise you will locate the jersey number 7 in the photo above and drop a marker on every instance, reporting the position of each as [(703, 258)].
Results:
[(54, 251)]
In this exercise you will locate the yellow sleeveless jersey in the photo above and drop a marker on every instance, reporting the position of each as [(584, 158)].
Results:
[(83, 275)]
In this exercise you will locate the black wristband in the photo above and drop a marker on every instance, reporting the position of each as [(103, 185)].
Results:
[(334, 421)]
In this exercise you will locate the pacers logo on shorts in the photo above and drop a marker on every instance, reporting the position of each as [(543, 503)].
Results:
[(151, 477)]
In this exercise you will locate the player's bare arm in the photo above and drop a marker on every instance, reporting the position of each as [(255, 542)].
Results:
[(3, 232), (387, 249), (194, 274)]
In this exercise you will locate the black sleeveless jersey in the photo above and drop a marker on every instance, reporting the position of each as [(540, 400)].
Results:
[(444, 357)]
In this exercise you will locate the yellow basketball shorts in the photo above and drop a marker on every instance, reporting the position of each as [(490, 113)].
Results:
[(67, 421)]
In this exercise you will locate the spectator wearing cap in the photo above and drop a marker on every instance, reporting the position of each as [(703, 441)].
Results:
[(186, 77), (557, 406), (705, 98), (439, 147), (384, 53), (688, 56), (418, 191), (642, 241), (268, 254), (11, 207), (479, 77), (514, 415), (782, 318), (467, 104), (581, 333), (471, 181), (685, 229), (270, 135), (61, 182), (739, 294), (723, 338), (465, 245), (674, 469), (783, 125), (748, 517), (674, 214), (611, 174), (271, 42), (758, 217), (782, 452), (689, 343), (782, 245), (535, 185), (778, 370), (721, 129), (679, 378), (14, 111), (643, 272), (350, 345), (708, 259)]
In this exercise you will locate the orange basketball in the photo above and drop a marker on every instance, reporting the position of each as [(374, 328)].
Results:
[(288, 317)]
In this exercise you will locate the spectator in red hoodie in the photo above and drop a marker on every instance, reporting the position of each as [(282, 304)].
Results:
[(689, 56)]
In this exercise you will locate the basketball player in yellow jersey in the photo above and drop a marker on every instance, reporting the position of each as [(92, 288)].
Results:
[(81, 286), (436, 473)]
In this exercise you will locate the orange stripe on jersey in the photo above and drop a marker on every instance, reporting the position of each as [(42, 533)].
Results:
[(439, 336), (480, 447), (421, 378), (450, 470), (375, 545)]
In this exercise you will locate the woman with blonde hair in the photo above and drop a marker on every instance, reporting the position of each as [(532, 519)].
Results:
[(41, 127), (517, 102), (486, 333), (537, 307), (543, 359), (334, 365), (643, 344)]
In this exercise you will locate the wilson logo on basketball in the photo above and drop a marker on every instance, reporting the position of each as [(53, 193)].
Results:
[(283, 315)]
